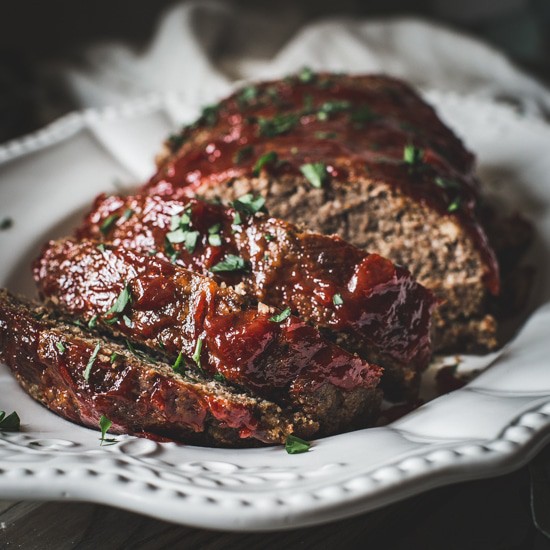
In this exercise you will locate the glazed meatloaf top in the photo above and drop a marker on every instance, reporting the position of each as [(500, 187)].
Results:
[(323, 127)]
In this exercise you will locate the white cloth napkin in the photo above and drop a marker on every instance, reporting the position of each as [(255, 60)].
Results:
[(200, 48)]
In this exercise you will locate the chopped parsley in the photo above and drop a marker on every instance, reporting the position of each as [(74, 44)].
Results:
[(316, 173), (280, 317), (214, 229), (179, 363), (60, 347), (170, 250), (306, 75), (454, 205), (412, 155), (91, 362), (248, 204), (175, 141), (294, 445), (361, 115), (268, 237), (197, 354), (214, 240), (10, 422), (237, 219), (337, 300), (92, 322), (230, 263), (219, 377), (114, 356), (279, 124), (247, 95), (128, 213), (104, 426), (330, 107), (243, 154), (127, 321), (101, 247), (6, 223), (267, 158), (108, 223), (189, 238), (210, 115), (123, 299)]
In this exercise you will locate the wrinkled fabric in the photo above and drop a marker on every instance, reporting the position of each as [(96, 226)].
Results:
[(200, 49)]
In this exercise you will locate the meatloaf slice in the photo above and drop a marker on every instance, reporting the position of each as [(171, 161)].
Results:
[(81, 376), (212, 329), (360, 300), (360, 156)]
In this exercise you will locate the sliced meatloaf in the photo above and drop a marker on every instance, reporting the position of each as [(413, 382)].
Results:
[(363, 157), (360, 300), (213, 330), (81, 376)]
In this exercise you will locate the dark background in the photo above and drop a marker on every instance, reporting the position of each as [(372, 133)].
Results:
[(35, 34)]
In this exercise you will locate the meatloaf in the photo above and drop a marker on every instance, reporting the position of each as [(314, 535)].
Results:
[(360, 300), (363, 157), (80, 375), (213, 330)]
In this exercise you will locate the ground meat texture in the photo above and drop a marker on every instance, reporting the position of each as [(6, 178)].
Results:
[(214, 330), (361, 300), (140, 396), (390, 177)]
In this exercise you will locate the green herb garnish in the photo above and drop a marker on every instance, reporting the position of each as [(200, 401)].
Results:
[(6, 223), (330, 107), (316, 173), (279, 124), (128, 213), (237, 219), (114, 356), (175, 141), (229, 263), (91, 362), (60, 347), (123, 299), (247, 95), (214, 240), (104, 425), (306, 75), (210, 115), (248, 204), (267, 158), (127, 321), (294, 445), (92, 322), (197, 354), (101, 247), (445, 183), (219, 377), (412, 155), (454, 205), (280, 317), (268, 237), (242, 154), (9, 423), (337, 300), (105, 227), (179, 362)]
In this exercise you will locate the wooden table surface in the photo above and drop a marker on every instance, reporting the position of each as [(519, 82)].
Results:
[(492, 514)]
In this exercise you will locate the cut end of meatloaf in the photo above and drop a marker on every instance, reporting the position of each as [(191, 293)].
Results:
[(215, 330), (377, 217), (81, 376), (363, 157)]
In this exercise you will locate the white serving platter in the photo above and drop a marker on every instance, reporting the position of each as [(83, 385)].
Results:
[(494, 425)]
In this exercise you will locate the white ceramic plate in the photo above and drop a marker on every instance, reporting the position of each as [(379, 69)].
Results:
[(492, 426)]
